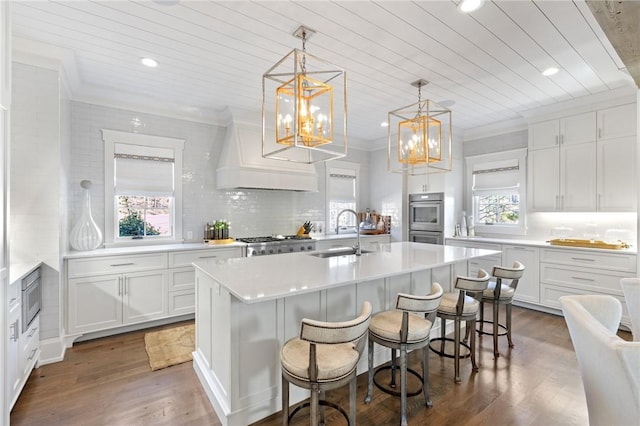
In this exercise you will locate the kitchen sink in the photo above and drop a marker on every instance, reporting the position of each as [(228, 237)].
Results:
[(340, 251)]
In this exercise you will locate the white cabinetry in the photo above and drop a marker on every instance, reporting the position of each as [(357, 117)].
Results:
[(111, 291), (562, 164), (107, 292), (528, 286), (13, 375), (107, 301), (617, 122), (570, 130), (564, 272), (182, 276), (584, 162)]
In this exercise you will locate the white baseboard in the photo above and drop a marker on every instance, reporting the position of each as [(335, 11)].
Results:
[(51, 350)]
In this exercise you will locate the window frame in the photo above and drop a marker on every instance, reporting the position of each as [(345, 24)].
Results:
[(337, 164), (110, 138), (517, 154)]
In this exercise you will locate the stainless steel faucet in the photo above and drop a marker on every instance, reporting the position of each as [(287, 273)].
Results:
[(357, 247)]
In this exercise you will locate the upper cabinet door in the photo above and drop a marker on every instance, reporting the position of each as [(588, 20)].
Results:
[(578, 177), (617, 175), (617, 122), (543, 180), (544, 134), (580, 128)]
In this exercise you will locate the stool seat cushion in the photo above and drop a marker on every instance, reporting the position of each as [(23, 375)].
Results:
[(506, 292), (449, 301), (334, 361), (387, 324)]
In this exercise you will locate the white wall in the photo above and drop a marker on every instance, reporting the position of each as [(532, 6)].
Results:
[(251, 212), (35, 182), (386, 192)]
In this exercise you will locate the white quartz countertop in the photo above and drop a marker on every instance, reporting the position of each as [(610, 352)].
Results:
[(149, 249), (262, 278), (21, 269), (537, 243)]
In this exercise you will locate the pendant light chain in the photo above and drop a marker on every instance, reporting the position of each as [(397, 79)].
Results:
[(304, 51)]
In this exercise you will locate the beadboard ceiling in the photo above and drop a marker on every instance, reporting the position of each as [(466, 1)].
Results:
[(212, 54)]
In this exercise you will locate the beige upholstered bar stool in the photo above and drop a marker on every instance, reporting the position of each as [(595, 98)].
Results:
[(498, 293), (460, 307), (324, 357), (405, 328)]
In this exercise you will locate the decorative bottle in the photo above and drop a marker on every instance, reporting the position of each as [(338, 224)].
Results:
[(85, 235)]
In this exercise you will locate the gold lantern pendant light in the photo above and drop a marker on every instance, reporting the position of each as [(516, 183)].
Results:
[(423, 138), (313, 125), (419, 138), (306, 120)]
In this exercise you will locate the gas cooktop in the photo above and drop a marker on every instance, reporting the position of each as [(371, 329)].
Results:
[(251, 240)]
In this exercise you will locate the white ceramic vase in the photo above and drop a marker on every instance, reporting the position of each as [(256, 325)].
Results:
[(85, 235)]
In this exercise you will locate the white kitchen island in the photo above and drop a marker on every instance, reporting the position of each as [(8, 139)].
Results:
[(246, 308)]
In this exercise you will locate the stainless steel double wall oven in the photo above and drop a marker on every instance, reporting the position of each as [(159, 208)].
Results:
[(426, 218)]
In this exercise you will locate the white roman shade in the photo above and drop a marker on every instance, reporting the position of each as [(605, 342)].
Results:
[(495, 177), (141, 170), (342, 184)]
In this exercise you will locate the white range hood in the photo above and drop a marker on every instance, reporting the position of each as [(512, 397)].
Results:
[(241, 164)]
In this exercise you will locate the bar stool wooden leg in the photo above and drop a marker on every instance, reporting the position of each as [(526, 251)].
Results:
[(403, 385), (456, 349), (352, 401), (314, 406), (509, 324), (367, 399), (496, 321), (321, 407), (481, 316), (285, 402), (443, 329), (425, 376), (473, 345)]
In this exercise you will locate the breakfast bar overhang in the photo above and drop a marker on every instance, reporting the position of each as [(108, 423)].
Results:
[(247, 308)]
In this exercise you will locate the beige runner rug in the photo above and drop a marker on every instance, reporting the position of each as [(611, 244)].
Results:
[(170, 347)]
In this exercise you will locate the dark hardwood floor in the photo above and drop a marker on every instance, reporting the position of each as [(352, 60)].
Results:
[(108, 382)]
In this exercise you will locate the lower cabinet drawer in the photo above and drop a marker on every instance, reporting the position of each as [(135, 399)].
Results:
[(611, 261), (30, 346), (597, 280), (182, 302), (550, 295), (185, 258), (115, 264)]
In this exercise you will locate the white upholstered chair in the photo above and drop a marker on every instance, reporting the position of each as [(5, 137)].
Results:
[(403, 329), (324, 357), (460, 306), (631, 289), (609, 365)]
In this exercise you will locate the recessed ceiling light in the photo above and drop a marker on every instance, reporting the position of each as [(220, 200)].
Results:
[(468, 6), (550, 71), (384, 124), (149, 62)]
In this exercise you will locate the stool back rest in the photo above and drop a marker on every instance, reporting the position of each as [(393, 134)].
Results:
[(415, 303), (323, 332), (503, 273), (331, 333), (424, 304), (470, 285)]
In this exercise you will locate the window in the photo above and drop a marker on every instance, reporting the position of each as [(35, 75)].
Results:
[(145, 198), (498, 192), (342, 193)]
